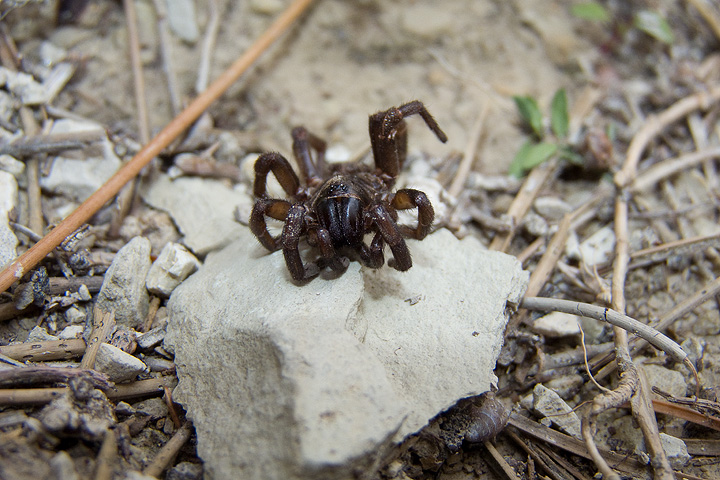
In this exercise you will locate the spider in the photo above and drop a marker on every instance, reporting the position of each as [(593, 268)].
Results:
[(340, 203)]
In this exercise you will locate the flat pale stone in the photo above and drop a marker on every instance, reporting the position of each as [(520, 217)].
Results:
[(8, 202), (123, 290), (79, 176), (174, 264), (548, 403), (557, 324), (118, 365), (318, 380), (201, 208)]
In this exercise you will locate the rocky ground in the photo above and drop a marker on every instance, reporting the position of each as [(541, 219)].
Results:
[(274, 377)]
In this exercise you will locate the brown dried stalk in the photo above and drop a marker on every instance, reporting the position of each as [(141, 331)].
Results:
[(47, 350), (656, 124), (102, 327), (18, 268), (168, 451)]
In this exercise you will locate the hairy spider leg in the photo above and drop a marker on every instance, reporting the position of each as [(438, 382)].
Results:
[(320, 237), (290, 239), (388, 135), (277, 209), (408, 198), (303, 141), (372, 256), (280, 167), (391, 234)]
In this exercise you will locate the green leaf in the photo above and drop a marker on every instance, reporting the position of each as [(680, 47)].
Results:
[(530, 112), (559, 118), (566, 153), (591, 11), (530, 156), (652, 23)]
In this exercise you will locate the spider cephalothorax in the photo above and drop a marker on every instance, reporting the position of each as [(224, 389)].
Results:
[(340, 203)]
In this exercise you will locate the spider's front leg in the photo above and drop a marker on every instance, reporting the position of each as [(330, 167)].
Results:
[(277, 209), (388, 135), (390, 233), (320, 238), (280, 167), (303, 142), (290, 239), (408, 198)]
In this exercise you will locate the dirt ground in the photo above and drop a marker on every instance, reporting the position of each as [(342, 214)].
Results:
[(465, 59)]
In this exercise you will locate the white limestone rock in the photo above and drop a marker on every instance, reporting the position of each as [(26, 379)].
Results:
[(118, 365), (318, 380), (557, 324), (549, 404), (201, 208), (77, 175), (174, 264), (8, 202), (123, 290), (71, 331), (39, 334)]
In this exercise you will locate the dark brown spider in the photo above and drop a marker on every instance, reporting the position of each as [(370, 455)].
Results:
[(340, 203)]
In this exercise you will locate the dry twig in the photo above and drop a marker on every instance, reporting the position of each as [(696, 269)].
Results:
[(469, 155), (82, 214), (102, 327), (168, 452), (523, 201), (47, 350), (656, 124)]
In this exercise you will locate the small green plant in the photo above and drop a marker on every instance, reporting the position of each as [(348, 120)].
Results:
[(543, 145), (650, 22)]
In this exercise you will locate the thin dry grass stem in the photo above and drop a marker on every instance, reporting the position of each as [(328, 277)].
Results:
[(168, 452), (167, 397), (20, 266), (708, 10), (643, 412), (42, 374), (531, 250), (587, 367), (617, 319), (535, 456), (41, 396), (587, 430), (699, 131), (166, 54), (662, 170), (44, 351), (657, 123), (470, 153), (107, 457), (137, 71), (561, 461), (577, 447), (102, 327), (32, 172), (685, 246), (535, 180), (141, 388), (629, 374), (208, 45), (52, 142), (685, 413), (126, 195), (553, 252), (152, 311), (500, 460)]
